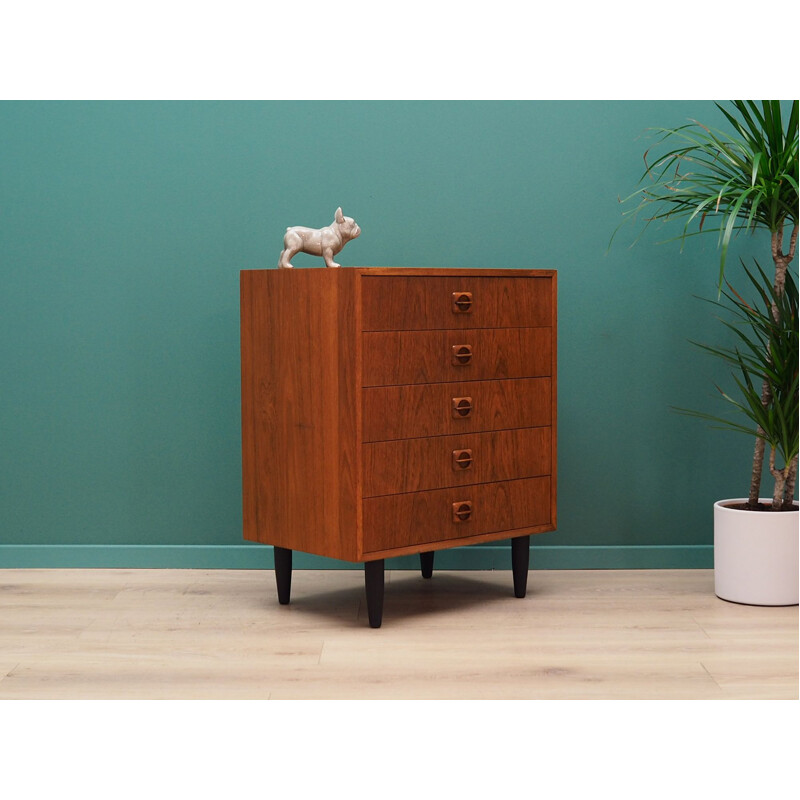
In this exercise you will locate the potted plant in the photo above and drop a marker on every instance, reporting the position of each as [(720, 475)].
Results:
[(755, 549), (745, 180)]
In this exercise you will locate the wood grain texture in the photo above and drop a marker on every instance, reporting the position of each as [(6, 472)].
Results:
[(464, 541), (299, 428), (248, 405), (450, 272), (401, 357), (554, 406), (349, 413), (315, 387), (394, 303), (414, 465), (215, 634), (405, 412), (424, 518)]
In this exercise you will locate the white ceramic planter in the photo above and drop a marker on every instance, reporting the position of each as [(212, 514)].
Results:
[(756, 555)]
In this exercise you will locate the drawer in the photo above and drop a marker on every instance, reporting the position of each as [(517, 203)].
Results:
[(398, 357), (402, 520), (414, 465), (416, 410), (393, 302)]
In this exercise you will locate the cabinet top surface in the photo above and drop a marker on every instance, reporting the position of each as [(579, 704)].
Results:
[(426, 271)]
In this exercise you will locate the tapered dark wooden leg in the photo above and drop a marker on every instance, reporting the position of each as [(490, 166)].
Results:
[(520, 552), (373, 579), (283, 573), (426, 562)]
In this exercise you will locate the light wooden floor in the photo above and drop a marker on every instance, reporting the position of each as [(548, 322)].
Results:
[(107, 634)]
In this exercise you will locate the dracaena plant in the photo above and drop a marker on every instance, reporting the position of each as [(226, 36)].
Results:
[(766, 352), (727, 182)]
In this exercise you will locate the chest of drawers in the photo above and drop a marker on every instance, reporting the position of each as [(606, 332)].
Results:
[(394, 411)]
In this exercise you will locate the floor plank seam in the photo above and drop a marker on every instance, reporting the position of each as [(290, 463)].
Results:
[(710, 676), (707, 635)]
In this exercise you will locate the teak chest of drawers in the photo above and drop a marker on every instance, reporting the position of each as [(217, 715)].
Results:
[(395, 411)]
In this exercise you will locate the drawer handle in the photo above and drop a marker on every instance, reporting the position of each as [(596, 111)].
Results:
[(462, 459), (462, 511), (462, 407), (462, 302), (462, 354)]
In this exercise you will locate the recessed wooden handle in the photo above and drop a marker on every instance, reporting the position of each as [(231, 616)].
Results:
[(462, 459), (462, 302), (462, 511), (462, 407), (462, 354)]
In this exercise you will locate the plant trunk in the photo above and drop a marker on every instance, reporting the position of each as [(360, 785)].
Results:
[(780, 481), (758, 462), (791, 480), (781, 261)]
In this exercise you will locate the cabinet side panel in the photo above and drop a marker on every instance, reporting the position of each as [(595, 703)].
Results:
[(554, 407), (295, 384), (249, 513), (349, 408)]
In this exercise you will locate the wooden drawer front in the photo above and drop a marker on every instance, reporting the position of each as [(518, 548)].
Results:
[(414, 465), (391, 303), (398, 357), (406, 412), (402, 520)]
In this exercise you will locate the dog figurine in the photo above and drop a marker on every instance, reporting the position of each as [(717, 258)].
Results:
[(325, 242)]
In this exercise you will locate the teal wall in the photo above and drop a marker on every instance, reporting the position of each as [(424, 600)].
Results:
[(123, 227)]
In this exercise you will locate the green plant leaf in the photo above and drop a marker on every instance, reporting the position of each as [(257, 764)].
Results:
[(749, 176), (766, 351)]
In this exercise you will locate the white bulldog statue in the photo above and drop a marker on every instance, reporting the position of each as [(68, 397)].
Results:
[(325, 242)]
